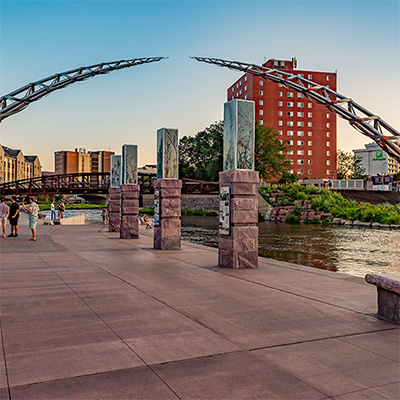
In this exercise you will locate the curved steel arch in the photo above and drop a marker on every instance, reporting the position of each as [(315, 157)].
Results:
[(19, 99), (387, 137)]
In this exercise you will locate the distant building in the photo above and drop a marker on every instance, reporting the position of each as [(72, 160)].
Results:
[(15, 166), (375, 161), (80, 160), (307, 127)]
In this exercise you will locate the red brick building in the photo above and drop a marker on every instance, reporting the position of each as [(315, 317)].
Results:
[(309, 128)]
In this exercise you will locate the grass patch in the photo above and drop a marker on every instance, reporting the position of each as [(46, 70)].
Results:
[(74, 206)]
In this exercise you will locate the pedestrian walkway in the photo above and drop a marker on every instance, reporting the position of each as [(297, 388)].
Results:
[(85, 315)]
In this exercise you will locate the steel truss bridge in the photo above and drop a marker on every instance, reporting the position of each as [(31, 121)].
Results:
[(93, 183), (364, 121), (19, 99)]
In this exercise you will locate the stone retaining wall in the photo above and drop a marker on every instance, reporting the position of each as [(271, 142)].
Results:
[(190, 201)]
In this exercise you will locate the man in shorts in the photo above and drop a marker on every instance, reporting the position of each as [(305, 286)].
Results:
[(33, 210), (3, 215), (13, 217)]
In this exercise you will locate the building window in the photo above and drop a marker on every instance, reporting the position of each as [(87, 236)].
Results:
[(328, 78), (309, 171), (300, 123), (300, 95), (290, 171), (310, 152), (240, 83), (328, 125), (291, 162), (328, 162), (328, 171), (280, 104), (245, 96), (240, 91), (300, 133), (328, 143), (245, 88), (310, 142), (328, 153), (290, 123), (290, 133), (309, 105), (261, 122), (300, 114), (300, 105), (280, 85), (261, 102), (280, 94), (300, 171), (290, 114), (309, 133), (309, 162), (290, 142), (245, 78), (261, 93), (280, 113), (280, 133), (300, 162), (290, 104), (236, 94), (280, 123), (290, 152), (310, 124), (261, 112), (300, 152), (328, 115), (237, 85), (261, 83), (310, 115), (309, 76), (328, 134), (300, 143), (290, 94)]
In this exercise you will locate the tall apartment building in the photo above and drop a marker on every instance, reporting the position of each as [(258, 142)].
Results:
[(80, 160), (15, 166), (307, 127)]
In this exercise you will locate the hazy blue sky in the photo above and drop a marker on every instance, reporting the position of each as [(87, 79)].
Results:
[(359, 39)]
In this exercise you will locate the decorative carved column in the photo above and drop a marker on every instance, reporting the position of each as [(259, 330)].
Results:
[(167, 192), (114, 201), (129, 194), (238, 230)]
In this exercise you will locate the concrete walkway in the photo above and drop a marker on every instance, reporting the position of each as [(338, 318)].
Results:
[(88, 316)]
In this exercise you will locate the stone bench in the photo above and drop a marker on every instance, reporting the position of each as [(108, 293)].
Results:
[(388, 286)]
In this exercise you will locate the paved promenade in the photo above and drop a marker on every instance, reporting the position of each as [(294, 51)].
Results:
[(85, 315)]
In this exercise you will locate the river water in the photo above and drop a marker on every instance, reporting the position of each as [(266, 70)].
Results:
[(351, 250)]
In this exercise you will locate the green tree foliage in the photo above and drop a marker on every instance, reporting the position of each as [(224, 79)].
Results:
[(345, 164), (200, 156), (270, 160), (359, 170)]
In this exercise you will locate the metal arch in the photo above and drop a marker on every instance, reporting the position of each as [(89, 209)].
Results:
[(19, 99), (387, 137)]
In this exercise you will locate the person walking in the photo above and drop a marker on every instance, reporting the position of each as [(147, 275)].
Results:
[(53, 211), (61, 210), (3, 215), (13, 217), (33, 210), (104, 216)]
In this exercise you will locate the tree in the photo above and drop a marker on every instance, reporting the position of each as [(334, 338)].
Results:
[(359, 170), (269, 158), (345, 164)]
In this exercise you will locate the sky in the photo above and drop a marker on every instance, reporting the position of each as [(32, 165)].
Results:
[(359, 39)]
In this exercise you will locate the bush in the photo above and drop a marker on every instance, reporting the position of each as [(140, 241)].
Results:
[(292, 219)]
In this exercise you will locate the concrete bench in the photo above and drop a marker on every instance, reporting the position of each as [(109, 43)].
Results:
[(388, 286)]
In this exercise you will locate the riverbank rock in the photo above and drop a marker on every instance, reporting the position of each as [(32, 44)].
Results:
[(348, 223), (393, 226), (337, 221), (356, 223), (376, 224)]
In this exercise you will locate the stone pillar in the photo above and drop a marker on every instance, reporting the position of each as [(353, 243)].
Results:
[(129, 211), (167, 229), (239, 249), (114, 204)]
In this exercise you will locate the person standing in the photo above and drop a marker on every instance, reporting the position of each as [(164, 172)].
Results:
[(3, 215), (53, 211), (13, 217), (33, 210)]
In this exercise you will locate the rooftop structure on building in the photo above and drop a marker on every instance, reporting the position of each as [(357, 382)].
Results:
[(375, 161), (307, 127), (15, 166)]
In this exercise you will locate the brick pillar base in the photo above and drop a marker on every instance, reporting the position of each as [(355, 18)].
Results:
[(129, 212), (239, 249), (167, 236), (114, 204)]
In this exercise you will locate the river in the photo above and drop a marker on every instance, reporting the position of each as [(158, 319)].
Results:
[(350, 250)]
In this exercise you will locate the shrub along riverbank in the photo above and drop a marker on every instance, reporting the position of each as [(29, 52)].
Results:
[(328, 201)]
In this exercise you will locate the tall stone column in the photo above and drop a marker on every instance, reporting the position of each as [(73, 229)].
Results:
[(167, 192), (114, 200), (129, 194), (129, 212), (238, 231)]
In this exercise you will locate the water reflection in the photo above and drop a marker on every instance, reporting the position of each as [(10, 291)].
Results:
[(350, 250)]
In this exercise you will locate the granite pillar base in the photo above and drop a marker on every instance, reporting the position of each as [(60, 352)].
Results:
[(239, 249), (114, 204), (167, 235), (129, 228)]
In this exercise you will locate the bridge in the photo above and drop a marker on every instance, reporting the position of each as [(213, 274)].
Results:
[(93, 183)]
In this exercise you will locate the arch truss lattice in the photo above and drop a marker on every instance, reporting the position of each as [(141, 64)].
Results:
[(369, 124), (19, 99)]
